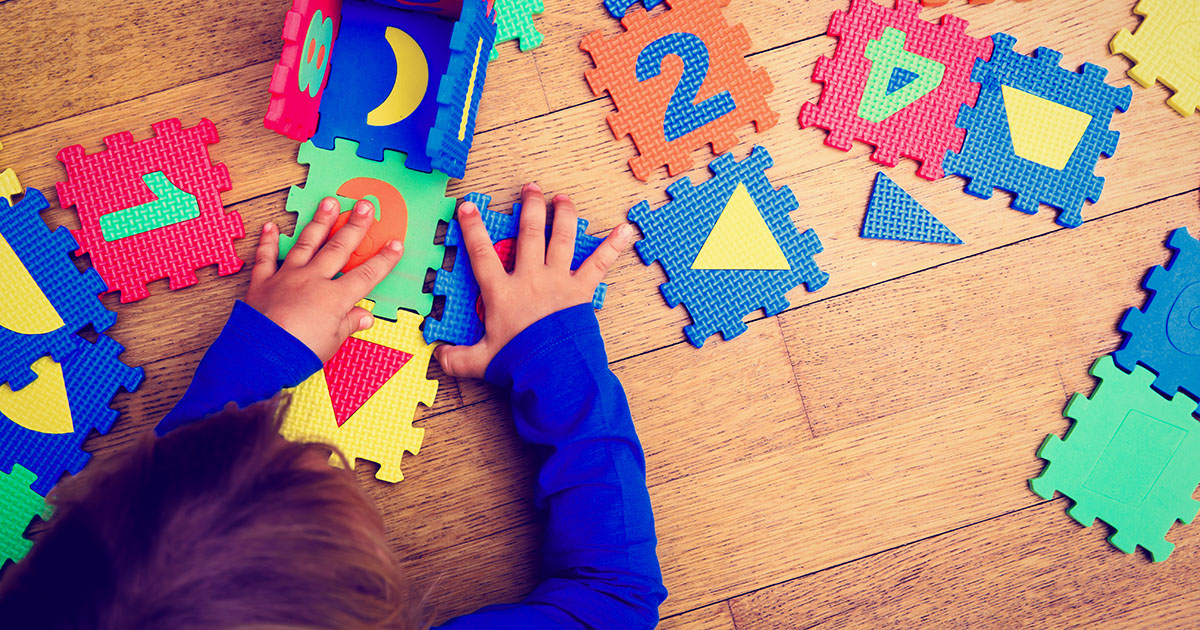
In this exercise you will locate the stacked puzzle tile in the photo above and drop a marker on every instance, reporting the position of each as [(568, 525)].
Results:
[(383, 94), (1132, 456), (966, 106), (55, 385)]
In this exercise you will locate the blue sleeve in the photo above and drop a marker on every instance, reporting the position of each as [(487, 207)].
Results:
[(599, 561), (251, 360)]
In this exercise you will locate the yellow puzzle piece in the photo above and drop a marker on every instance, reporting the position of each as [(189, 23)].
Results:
[(10, 186), (43, 405), (380, 430), (1165, 47)]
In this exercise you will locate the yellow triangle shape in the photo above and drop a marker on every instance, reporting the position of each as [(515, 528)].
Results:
[(741, 238), (1043, 131), (42, 405), (27, 311)]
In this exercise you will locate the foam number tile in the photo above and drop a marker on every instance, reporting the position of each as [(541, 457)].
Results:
[(728, 246), (18, 506), (896, 82), (48, 299), (43, 426), (298, 81), (461, 322), (1131, 459), (679, 81), (1037, 130), (364, 399), (514, 20), (10, 186), (165, 197), (409, 205), (1166, 48)]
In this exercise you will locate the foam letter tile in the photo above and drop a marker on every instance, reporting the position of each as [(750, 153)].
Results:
[(514, 20), (1132, 459), (896, 82), (298, 81), (47, 299), (10, 186), (117, 180), (408, 207), (679, 81), (728, 246), (383, 85), (461, 88), (44, 425), (893, 214), (460, 323), (364, 399), (1037, 130), (18, 506), (1164, 335), (1164, 49)]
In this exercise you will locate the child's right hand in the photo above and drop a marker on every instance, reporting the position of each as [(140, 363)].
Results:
[(541, 282)]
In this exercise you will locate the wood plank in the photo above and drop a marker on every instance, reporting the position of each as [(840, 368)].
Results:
[(715, 617), (1052, 300), (1035, 568)]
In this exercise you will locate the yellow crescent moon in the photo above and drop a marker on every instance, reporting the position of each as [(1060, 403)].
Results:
[(412, 78)]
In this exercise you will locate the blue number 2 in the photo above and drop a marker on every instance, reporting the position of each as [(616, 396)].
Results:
[(684, 115)]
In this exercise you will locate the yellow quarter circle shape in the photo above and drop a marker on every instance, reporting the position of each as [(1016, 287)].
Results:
[(412, 79), (741, 238), (1043, 131), (27, 311), (42, 405)]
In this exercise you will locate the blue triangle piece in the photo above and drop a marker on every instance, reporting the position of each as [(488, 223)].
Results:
[(900, 78), (893, 214)]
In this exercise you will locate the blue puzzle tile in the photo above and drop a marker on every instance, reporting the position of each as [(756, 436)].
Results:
[(460, 323), (460, 89), (894, 215), (676, 234), (1046, 100), (617, 8), (40, 432), (1164, 335), (42, 318)]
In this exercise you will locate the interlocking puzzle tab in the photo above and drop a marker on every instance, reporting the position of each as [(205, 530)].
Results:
[(115, 181), (48, 299), (10, 186), (728, 246), (364, 399), (409, 205), (309, 30), (1132, 459), (44, 425), (1163, 49), (1037, 130), (18, 506), (398, 75), (1164, 336), (893, 214), (514, 20), (896, 82), (461, 322), (679, 81), (617, 8)]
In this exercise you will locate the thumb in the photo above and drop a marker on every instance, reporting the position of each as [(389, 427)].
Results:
[(357, 319), (462, 361)]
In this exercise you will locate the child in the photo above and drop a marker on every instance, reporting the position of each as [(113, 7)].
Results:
[(221, 523)]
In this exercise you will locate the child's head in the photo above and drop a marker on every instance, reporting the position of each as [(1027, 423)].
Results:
[(220, 524)]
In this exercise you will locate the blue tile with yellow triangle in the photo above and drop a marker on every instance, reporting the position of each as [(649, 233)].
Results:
[(728, 246)]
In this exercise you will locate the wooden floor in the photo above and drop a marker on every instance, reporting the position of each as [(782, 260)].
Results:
[(858, 461)]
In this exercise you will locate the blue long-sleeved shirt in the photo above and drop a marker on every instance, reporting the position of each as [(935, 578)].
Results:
[(599, 561)]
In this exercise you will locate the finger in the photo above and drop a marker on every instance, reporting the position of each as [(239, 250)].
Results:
[(334, 255), (593, 269), (358, 282), (482, 254), (463, 361), (531, 236), (357, 319), (561, 249), (266, 257), (313, 234)]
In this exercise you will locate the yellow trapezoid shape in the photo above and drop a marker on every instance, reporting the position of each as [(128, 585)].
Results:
[(1043, 131), (42, 405), (412, 79), (26, 310), (741, 238)]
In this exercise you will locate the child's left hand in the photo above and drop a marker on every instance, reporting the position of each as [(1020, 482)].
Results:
[(302, 295)]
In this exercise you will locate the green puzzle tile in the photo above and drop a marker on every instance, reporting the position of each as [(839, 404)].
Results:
[(18, 506), (514, 20), (1132, 459), (390, 187)]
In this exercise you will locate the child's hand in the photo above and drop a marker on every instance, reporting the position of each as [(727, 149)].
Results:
[(541, 282), (302, 296)]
